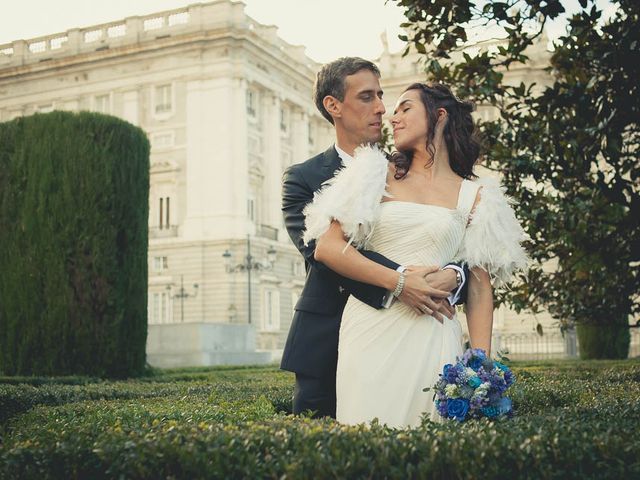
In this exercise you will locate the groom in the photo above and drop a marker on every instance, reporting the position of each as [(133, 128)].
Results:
[(348, 94)]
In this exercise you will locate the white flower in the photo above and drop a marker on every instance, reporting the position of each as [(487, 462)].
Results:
[(482, 390), (451, 391)]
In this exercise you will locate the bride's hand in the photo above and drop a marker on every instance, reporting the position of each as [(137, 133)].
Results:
[(422, 297)]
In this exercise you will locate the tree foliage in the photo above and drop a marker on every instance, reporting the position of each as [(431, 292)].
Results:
[(567, 151)]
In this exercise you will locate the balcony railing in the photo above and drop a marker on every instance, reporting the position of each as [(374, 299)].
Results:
[(554, 345), (198, 17)]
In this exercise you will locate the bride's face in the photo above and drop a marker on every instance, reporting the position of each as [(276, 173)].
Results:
[(409, 122)]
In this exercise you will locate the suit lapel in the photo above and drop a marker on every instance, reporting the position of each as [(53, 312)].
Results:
[(331, 162)]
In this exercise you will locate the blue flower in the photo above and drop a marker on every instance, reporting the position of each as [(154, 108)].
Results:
[(457, 408), (476, 363), (474, 382), (450, 373), (501, 366), (509, 377), (504, 405), (490, 412), (441, 405)]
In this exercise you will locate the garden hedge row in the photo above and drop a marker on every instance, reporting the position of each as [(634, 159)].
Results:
[(572, 422)]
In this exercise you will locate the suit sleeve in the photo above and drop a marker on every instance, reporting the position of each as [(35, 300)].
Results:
[(296, 194)]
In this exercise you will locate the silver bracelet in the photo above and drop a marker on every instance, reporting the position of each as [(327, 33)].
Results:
[(399, 286)]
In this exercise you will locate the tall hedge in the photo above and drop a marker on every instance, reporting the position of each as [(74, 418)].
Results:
[(74, 200)]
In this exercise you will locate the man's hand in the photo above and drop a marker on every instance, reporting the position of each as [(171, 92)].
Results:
[(422, 297), (443, 279)]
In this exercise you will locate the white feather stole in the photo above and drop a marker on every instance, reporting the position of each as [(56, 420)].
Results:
[(493, 237), (352, 197)]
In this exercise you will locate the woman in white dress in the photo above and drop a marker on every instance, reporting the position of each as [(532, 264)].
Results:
[(421, 208)]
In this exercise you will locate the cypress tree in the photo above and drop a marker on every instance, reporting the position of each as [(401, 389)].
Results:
[(74, 200)]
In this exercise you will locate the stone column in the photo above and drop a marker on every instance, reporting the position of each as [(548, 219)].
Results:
[(272, 160), (300, 136), (216, 159)]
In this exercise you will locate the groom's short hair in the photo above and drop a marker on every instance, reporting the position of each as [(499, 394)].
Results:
[(331, 79)]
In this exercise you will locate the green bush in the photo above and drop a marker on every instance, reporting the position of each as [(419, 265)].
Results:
[(74, 192), (603, 341), (573, 420)]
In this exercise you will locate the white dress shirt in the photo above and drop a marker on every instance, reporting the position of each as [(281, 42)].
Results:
[(344, 156)]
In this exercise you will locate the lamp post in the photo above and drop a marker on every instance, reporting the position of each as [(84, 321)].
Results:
[(248, 265), (182, 294)]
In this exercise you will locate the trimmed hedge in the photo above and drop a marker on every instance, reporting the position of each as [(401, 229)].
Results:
[(604, 341), (74, 201), (573, 421)]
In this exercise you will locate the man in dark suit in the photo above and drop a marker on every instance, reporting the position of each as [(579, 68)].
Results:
[(348, 94)]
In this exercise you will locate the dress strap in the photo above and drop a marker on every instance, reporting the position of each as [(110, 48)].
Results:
[(467, 195)]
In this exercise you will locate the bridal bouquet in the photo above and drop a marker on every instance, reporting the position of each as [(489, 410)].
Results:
[(474, 387)]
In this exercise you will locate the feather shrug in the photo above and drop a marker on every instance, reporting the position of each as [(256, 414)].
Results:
[(351, 197), (492, 239)]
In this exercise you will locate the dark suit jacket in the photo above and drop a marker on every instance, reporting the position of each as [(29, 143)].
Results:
[(312, 344)]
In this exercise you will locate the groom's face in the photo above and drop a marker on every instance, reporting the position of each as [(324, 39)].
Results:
[(362, 109)]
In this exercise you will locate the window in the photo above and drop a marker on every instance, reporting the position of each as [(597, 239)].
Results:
[(252, 103), (160, 307), (284, 120), (164, 213), (160, 263), (298, 268), (251, 208), (163, 99), (102, 103), (312, 134), (271, 310)]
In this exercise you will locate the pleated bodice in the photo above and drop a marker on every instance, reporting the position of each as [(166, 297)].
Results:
[(418, 234)]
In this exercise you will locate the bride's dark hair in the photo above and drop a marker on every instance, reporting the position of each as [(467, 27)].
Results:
[(459, 132)]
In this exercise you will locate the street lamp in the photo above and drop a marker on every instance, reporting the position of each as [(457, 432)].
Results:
[(248, 265), (182, 294)]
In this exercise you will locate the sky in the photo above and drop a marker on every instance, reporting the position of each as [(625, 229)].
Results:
[(328, 28)]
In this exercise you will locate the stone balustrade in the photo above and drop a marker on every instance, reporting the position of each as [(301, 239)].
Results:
[(194, 18)]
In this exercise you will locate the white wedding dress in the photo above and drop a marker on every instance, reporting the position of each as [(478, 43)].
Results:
[(387, 357)]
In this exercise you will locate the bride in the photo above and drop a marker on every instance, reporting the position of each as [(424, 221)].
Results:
[(421, 207)]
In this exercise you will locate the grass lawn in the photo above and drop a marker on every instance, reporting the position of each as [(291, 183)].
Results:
[(574, 420)]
